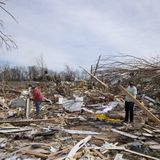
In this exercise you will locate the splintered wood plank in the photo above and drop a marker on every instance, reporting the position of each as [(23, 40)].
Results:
[(124, 133), (140, 154), (14, 130), (147, 130), (78, 146), (29, 121), (155, 147)]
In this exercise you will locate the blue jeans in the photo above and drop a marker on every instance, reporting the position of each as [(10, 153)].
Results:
[(37, 105)]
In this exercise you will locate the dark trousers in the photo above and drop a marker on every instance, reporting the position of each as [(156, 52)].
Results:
[(37, 105), (129, 111)]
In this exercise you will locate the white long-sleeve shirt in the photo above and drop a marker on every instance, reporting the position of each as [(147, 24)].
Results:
[(132, 91)]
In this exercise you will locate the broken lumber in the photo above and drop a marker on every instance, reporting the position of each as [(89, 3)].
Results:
[(99, 154), (77, 147), (147, 130), (129, 151), (36, 154), (124, 133), (29, 121), (80, 132), (52, 155), (140, 154), (16, 130), (27, 108), (15, 152), (149, 114), (100, 138), (78, 155), (102, 83)]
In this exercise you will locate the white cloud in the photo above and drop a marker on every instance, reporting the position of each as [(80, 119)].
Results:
[(76, 32)]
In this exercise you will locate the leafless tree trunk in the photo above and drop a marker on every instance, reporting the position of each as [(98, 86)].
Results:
[(42, 66), (5, 39)]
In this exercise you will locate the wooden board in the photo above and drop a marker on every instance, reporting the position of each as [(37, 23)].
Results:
[(78, 146), (148, 113), (124, 133), (102, 83), (29, 121), (27, 108)]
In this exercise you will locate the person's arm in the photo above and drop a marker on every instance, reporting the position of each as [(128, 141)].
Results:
[(134, 92)]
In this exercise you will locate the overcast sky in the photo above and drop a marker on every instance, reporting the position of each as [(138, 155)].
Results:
[(76, 32)]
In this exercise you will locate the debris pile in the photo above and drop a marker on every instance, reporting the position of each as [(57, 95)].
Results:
[(76, 122)]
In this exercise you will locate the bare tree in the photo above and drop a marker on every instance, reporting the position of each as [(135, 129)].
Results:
[(143, 71), (42, 66), (68, 74), (5, 39), (33, 72)]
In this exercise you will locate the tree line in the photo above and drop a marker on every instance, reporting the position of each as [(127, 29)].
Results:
[(38, 73)]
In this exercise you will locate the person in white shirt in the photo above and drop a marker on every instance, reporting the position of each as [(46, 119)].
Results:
[(129, 104)]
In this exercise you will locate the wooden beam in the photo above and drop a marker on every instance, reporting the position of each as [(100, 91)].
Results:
[(14, 130), (149, 114), (29, 121), (102, 83), (27, 108), (129, 151), (140, 154), (97, 65), (124, 133), (78, 146), (36, 154)]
